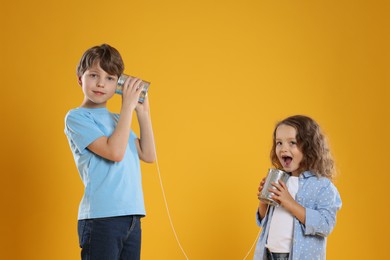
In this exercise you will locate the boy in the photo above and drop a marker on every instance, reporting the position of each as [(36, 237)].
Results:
[(107, 153)]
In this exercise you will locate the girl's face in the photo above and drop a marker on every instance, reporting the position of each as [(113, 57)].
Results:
[(287, 149), (98, 86)]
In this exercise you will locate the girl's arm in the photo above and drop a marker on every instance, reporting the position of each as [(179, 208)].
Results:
[(145, 144), (318, 221), (284, 197), (297, 210), (262, 206), (262, 209), (321, 219)]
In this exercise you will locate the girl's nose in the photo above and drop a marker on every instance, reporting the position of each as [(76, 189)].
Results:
[(283, 148)]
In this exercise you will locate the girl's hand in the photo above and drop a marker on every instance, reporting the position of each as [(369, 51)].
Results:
[(131, 92), (261, 186), (282, 195), (262, 205), (287, 201)]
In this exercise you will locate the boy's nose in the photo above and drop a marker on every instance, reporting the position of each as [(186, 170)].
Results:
[(100, 83)]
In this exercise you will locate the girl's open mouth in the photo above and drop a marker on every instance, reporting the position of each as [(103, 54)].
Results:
[(287, 160)]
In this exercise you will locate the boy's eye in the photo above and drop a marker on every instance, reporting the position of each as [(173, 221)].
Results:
[(93, 75), (111, 78)]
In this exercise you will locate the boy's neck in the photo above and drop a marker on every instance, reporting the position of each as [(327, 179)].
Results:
[(87, 104)]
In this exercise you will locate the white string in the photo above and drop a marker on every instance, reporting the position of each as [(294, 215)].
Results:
[(257, 237), (163, 193), (254, 242), (167, 208)]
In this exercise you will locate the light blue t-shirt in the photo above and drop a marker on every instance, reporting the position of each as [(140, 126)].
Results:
[(321, 200), (111, 188)]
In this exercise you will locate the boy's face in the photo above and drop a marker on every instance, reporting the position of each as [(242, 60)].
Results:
[(98, 86), (287, 150)]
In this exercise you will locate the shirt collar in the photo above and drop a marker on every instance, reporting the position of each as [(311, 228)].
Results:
[(307, 174)]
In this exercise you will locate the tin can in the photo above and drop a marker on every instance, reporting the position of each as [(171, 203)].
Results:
[(274, 175), (145, 87)]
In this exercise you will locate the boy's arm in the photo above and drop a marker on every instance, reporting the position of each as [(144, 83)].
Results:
[(114, 147), (145, 144)]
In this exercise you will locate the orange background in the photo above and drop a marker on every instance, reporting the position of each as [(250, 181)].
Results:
[(223, 73)]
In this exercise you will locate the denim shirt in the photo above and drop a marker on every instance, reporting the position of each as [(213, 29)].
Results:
[(321, 200)]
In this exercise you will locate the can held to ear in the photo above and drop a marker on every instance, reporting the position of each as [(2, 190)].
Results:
[(145, 87), (274, 175)]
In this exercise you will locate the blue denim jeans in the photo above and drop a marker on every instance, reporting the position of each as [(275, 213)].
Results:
[(113, 238), (277, 256)]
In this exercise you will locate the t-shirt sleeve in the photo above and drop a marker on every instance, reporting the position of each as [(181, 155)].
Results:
[(81, 129)]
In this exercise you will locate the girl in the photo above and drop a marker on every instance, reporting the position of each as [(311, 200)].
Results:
[(308, 201)]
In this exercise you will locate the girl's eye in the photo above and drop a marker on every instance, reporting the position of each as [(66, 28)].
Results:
[(278, 143), (293, 143)]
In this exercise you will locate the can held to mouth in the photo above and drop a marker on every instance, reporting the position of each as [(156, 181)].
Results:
[(145, 87), (274, 175)]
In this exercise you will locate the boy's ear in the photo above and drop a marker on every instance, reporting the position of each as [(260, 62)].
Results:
[(79, 81)]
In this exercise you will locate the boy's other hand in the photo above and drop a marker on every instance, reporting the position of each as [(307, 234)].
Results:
[(131, 92), (143, 107)]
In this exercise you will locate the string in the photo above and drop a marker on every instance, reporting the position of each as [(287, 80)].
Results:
[(257, 237), (164, 196), (167, 208)]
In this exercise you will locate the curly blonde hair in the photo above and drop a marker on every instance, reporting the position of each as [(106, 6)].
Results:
[(312, 143)]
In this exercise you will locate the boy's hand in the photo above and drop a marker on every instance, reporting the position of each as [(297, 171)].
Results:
[(144, 107), (131, 92)]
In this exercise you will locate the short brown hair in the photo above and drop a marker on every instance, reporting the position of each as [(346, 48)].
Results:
[(108, 58)]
